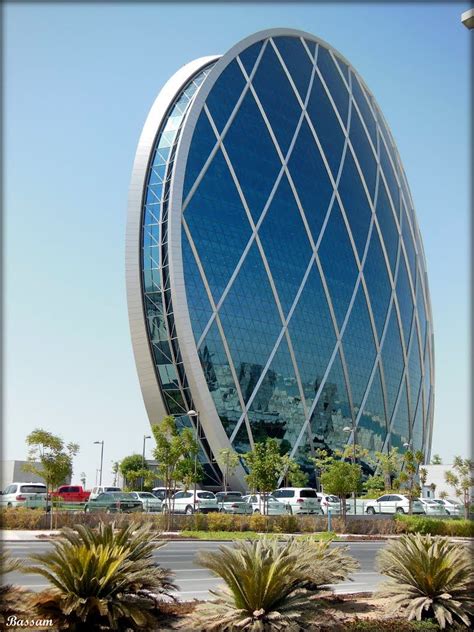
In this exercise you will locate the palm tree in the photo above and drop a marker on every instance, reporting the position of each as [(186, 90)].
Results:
[(324, 565), (11, 599), (265, 588), (429, 576), (102, 578)]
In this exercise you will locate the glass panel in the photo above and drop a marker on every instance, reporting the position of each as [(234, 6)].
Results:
[(297, 62), (400, 427), (409, 244), (334, 82), (355, 203), (220, 231), (332, 412), (256, 164), (225, 94), (312, 335), (241, 443), (311, 179), (277, 410), (326, 125), (249, 56), (405, 300), (250, 320), (377, 281), (420, 305), (198, 304), (372, 426), (340, 271), (417, 433), (359, 348), (390, 178), (344, 68), (392, 360), (202, 144), (282, 235), (369, 120), (311, 46), (273, 89), (219, 379), (364, 153), (387, 225), (414, 370)]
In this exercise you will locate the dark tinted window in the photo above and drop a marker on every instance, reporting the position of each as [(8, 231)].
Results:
[(33, 489), (286, 493), (308, 493), (206, 495)]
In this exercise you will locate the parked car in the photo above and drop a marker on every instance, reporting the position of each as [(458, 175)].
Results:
[(432, 508), (24, 495), (71, 493), (274, 507), (101, 490), (149, 501), (451, 506), (186, 502), (163, 492), (300, 500), (393, 503), (327, 501), (113, 502), (233, 503)]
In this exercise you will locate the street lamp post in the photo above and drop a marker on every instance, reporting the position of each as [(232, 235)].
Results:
[(101, 443), (353, 429), (193, 413), (145, 437)]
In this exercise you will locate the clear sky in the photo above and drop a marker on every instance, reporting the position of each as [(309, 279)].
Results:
[(79, 80)]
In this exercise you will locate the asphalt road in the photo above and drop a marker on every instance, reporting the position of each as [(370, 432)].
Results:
[(195, 582)]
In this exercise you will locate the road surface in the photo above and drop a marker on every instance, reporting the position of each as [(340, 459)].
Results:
[(195, 582)]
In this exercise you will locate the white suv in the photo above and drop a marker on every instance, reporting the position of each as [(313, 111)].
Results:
[(24, 495), (329, 502), (299, 500), (393, 503), (102, 490), (184, 502)]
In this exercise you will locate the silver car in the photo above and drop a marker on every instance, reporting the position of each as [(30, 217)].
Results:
[(149, 501), (451, 506), (432, 508), (273, 507), (233, 503), (393, 503), (329, 502)]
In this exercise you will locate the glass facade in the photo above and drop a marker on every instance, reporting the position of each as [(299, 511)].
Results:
[(303, 269)]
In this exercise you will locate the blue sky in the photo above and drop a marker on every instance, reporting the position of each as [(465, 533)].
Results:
[(79, 81)]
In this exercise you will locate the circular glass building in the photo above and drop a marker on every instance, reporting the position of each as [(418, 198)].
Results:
[(275, 271)]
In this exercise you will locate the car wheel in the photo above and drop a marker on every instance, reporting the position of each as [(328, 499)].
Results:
[(370, 511), (257, 511), (86, 509), (9, 505), (189, 510), (400, 510), (448, 512)]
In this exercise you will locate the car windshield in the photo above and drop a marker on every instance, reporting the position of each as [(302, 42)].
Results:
[(272, 499), (121, 495), (146, 495), (333, 499), (112, 489), (33, 489), (206, 495)]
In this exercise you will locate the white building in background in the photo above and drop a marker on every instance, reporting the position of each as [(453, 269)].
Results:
[(13, 472), (436, 476)]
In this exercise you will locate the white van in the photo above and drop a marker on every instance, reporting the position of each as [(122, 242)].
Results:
[(101, 489), (299, 500)]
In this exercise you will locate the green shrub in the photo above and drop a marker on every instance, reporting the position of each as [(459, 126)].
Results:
[(220, 522), (435, 526), (264, 588), (258, 523), (101, 578), (286, 524), (428, 576)]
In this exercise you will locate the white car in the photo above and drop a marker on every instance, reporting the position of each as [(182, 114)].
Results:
[(185, 502), (149, 501), (300, 500), (451, 506), (24, 495), (432, 508), (393, 503), (273, 506), (329, 502), (103, 490)]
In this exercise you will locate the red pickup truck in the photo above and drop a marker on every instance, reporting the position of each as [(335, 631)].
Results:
[(71, 493)]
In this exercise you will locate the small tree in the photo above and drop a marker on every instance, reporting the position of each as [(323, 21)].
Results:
[(443, 494), (341, 479), (228, 461), (189, 472), (172, 447), (461, 479), (134, 470), (115, 471), (265, 465), (389, 464), (408, 477), (50, 459), (293, 476), (374, 484), (436, 460)]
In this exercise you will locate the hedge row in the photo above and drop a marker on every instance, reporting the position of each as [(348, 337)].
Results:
[(22, 518)]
